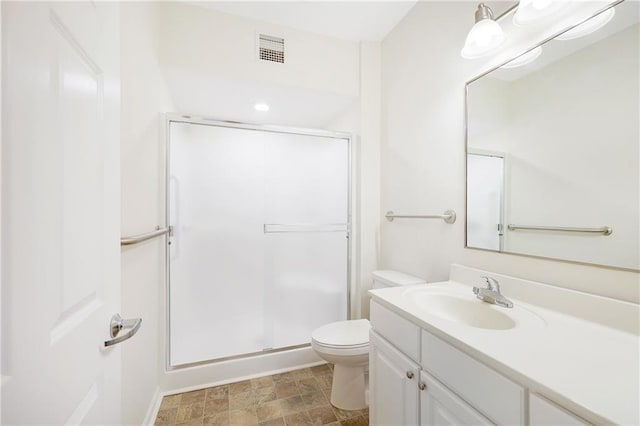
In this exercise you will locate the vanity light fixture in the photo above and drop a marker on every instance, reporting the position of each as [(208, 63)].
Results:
[(530, 11), (591, 25), (485, 36), (524, 59), (261, 106)]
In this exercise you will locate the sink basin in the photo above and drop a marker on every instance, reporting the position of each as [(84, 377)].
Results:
[(474, 313), (457, 304)]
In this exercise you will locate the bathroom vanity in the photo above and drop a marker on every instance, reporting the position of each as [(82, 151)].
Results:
[(559, 357)]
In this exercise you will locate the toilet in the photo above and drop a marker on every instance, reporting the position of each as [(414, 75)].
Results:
[(346, 345)]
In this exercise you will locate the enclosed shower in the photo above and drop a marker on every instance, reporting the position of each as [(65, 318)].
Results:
[(259, 251)]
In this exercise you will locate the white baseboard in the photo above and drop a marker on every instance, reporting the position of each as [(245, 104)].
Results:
[(239, 379), (218, 373), (154, 407)]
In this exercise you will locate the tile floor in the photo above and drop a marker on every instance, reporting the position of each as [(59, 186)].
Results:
[(299, 397)]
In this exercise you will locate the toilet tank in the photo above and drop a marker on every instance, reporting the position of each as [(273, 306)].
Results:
[(387, 278)]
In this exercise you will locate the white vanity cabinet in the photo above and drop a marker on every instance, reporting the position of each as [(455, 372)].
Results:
[(557, 357), (489, 392), (400, 391), (393, 384), (439, 406), (416, 378)]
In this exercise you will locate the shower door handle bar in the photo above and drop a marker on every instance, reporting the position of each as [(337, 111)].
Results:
[(175, 217), (135, 239), (448, 216), (604, 230), (279, 228), (117, 324)]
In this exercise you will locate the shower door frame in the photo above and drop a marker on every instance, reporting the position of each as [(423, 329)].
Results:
[(206, 121)]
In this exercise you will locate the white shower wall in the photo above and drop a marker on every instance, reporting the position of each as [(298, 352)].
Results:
[(259, 252)]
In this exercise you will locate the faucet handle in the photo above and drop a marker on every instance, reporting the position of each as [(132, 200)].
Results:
[(492, 294), (492, 283)]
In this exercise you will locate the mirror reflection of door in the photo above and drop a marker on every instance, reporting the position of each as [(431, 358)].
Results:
[(485, 198)]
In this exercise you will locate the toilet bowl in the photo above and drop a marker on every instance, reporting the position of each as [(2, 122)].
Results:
[(346, 345)]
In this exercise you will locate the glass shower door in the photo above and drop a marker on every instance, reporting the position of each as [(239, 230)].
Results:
[(485, 199), (216, 295), (259, 253), (306, 245)]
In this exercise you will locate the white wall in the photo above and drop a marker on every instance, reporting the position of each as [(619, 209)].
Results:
[(210, 62), (363, 120), (144, 97), (368, 192), (423, 78), (218, 44)]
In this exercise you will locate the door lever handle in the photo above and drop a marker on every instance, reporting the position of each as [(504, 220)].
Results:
[(117, 324)]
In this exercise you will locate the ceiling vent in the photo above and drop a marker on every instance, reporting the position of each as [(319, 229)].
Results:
[(271, 48)]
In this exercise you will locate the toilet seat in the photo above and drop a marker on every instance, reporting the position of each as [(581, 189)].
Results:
[(343, 336), (341, 351), (324, 345)]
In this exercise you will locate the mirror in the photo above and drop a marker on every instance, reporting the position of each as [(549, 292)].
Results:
[(553, 148)]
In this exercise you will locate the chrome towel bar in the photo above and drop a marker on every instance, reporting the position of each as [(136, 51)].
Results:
[(448, 216), (135, 239), (277, 228), (604, 230)]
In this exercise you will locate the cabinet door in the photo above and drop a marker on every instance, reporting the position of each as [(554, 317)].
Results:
[(544, 413), (439, 406), (393, 385)]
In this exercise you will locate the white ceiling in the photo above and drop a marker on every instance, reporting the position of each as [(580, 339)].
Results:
[(349, 20)]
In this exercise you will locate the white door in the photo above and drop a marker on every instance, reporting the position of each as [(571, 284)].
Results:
[(441, 407), (393, 385), (60, 212), (485, 192)]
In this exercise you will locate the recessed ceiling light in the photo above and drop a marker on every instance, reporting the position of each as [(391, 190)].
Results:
[(524, 59), (589, 26), (261, 106)]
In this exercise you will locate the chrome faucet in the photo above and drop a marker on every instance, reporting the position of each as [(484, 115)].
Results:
[(492, 294)]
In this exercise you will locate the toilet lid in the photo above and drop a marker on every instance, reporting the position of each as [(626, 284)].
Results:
[(343, 333)]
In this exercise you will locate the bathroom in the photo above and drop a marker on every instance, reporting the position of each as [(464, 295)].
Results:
[(399, 90)]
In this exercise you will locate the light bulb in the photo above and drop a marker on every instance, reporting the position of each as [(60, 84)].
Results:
[(530, 11), (589, 26), (483, 38), (541, 4)]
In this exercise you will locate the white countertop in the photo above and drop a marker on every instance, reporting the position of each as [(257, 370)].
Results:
[(589, 368)]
